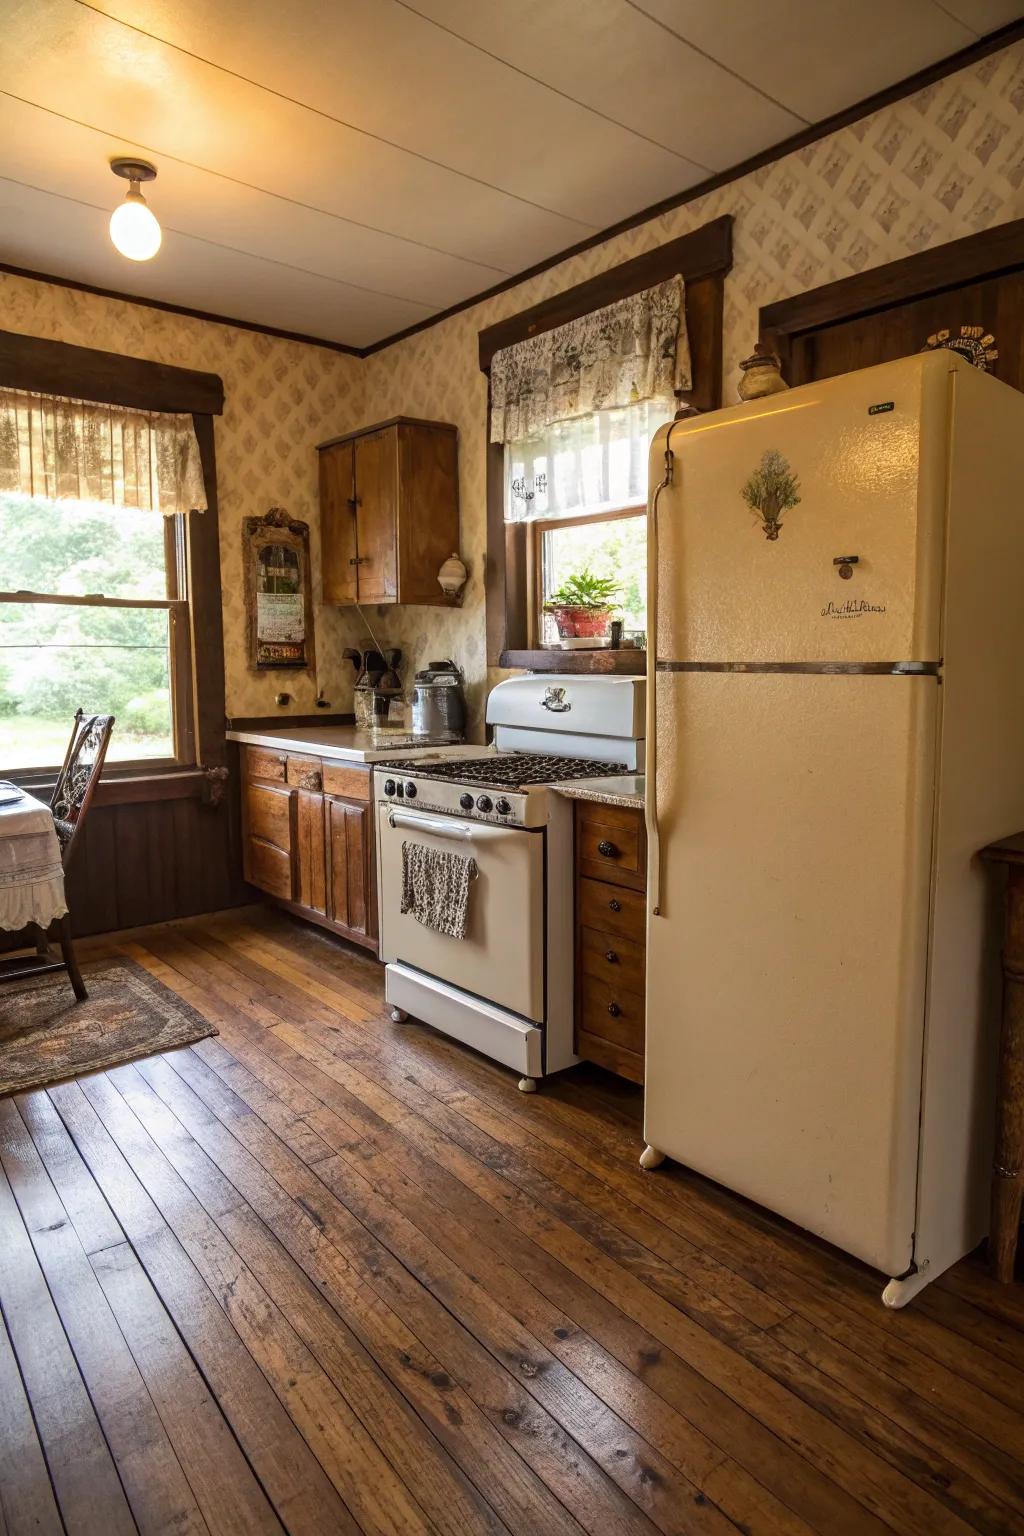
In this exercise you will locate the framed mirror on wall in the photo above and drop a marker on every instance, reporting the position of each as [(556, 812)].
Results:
[(278, 593)]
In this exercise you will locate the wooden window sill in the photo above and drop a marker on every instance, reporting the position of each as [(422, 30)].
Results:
[(626, 662), (138, 787)]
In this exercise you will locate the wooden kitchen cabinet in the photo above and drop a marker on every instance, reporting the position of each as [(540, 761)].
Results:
[(309, 847), (389, 512), (611, 959)]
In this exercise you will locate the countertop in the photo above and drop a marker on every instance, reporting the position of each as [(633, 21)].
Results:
[(625, 789), (344, 743)]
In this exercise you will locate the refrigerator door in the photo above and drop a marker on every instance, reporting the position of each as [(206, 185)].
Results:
[(786, 972), (865, 455)]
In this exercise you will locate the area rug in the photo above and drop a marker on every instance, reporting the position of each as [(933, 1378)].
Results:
[(46, 1036)]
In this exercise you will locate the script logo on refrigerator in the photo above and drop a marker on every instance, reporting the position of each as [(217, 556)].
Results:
[(853, 608)]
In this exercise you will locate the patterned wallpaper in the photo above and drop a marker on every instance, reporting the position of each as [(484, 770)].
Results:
[(931, 168), (280, 399)]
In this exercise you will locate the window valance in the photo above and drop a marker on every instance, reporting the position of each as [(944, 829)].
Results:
[(631, 351), (77, 450)]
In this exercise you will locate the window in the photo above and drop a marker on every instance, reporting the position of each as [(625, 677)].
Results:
[(93, 613), (581, 487)]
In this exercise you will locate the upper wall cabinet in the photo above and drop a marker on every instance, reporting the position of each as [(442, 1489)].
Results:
[(389, 512)]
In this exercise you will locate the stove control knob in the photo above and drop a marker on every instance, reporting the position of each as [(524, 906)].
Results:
[(389, 786), (410, 790), (502, 807), (466, 801), (484, 803)]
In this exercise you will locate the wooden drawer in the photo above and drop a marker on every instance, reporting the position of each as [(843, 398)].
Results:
[(612, 909), (611, 844), (612, 1013), (615, 1058), (269, 815), (304, 773), (269, 868), (352, 781), (262, 763), (614, 960)]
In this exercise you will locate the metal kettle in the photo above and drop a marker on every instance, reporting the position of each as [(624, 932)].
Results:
[(439, 701)]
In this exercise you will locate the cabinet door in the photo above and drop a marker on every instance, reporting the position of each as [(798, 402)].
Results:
[(376, 473), (351, 884), (428, 509), (269, 817), (312, 854), (338, 524)]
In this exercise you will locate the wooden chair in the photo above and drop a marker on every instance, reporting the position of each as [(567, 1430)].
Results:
[(69, 803)]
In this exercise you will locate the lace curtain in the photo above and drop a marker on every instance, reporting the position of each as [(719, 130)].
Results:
[(75, 450), (595, 463), (634, 350)]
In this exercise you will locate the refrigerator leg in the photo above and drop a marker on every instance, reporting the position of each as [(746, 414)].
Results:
[(527, 1085), (898, 1292), (650, 1157), (398, 1015)]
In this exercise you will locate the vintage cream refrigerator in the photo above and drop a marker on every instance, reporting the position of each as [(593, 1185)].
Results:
[(836, 727)]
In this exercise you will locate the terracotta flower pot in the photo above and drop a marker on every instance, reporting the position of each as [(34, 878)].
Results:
[(582, 623)]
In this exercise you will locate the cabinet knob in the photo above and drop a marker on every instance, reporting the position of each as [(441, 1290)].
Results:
[(310, 781), (615, 906), (614, 1010), (359, 560), (606, 849), (611, 957)]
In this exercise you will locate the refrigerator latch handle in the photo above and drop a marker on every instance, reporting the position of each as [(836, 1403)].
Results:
[(845, 564)]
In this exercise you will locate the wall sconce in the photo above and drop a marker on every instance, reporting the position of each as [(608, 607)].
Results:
[(134, 228), (451, 578)]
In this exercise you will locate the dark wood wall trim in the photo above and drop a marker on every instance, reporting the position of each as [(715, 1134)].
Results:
[(975, 257), (206, 609), (56, 368), (702, 258), (699, 254)]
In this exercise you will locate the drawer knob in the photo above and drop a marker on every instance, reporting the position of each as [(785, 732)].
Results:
[(614, 906), (611, 957), (310, 781), (614, 1010), (606, 849)]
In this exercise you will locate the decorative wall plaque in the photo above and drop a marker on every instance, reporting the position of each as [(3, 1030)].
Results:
[(275, 552), (973, 343)]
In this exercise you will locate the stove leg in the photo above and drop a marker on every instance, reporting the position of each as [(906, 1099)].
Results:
[(650, 1157), (527, 1085), (398, 1015)]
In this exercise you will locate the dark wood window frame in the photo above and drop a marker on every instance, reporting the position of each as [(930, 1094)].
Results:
[(789, 325), (702, 258), (193, 547)]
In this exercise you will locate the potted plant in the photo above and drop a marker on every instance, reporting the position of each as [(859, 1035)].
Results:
[(582, 605)]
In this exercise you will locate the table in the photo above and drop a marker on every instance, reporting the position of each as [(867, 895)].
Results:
[(31, 874), (1008, 1159)]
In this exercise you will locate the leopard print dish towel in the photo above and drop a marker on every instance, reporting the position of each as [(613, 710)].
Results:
[(435, 888)]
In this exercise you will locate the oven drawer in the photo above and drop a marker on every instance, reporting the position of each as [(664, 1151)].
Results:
[(613, 909), (612, 959), (501, 958)]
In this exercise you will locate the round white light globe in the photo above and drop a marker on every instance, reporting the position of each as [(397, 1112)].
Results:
[(135, 229)]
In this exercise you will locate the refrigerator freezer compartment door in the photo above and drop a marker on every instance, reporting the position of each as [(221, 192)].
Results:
[(855, 467), (786, 974)]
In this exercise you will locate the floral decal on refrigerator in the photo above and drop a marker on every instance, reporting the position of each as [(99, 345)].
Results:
[(772, 489)]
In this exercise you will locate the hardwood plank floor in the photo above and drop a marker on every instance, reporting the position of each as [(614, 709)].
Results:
[(327, 1274)]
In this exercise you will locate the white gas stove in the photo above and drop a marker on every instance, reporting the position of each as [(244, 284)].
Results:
[(506, 988)]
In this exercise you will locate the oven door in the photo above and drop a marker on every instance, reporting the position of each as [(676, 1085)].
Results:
[(501, 958)]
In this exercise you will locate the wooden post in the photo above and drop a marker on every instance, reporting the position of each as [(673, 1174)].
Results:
[(1008, 1159)]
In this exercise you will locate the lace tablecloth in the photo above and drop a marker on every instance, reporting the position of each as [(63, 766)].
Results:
[(31, 876)]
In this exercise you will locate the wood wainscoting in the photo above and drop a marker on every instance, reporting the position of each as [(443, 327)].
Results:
[(327, 1274)]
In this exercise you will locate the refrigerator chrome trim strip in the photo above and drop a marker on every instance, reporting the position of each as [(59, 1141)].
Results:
[(840, 668)]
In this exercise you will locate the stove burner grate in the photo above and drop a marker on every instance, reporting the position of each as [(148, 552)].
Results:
[(508, 770)]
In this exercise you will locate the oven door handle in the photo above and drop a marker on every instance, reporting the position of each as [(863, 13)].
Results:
[(444, 826)]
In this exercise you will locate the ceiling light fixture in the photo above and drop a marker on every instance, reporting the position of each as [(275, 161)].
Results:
[(134, 228)]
